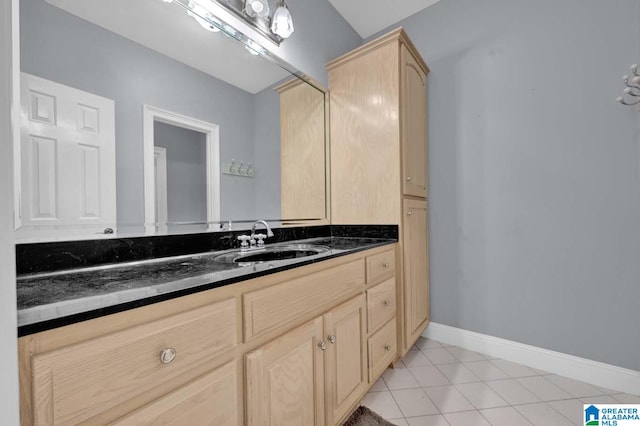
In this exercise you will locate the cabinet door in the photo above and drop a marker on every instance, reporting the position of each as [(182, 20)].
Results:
[(210, 400), (416, 269), (414, 126), (346, 365), (285, 379)]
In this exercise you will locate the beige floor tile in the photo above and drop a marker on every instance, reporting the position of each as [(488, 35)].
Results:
[(464, 355), (504, 416), (436, 420), (458, 373), (378, 386), (625, 398), (468, 418), (448, 399), (481, 395), (513, 369), (513, 392), (543, 415), (399, 422), (543, 388), (414, 402), (383, 404), (485, 370), (428, 344), (429, 376), (574, 387), (601, 399), (400, 378), (415, 358), (572, 409), (440, 356)]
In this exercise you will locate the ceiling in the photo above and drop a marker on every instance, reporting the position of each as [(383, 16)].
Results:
[(368, 17), (166, 28)]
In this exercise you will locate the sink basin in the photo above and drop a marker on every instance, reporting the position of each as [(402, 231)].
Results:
[(272, 253)]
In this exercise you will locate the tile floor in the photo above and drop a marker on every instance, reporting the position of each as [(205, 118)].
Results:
[(442, 385)]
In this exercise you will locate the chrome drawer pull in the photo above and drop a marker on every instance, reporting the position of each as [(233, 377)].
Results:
[(386, 303), (332, 339), (168, 355), (385, 265), (387, 348), (322, 345)]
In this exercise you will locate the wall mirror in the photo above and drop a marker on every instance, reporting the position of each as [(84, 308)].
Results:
[(150, 117)]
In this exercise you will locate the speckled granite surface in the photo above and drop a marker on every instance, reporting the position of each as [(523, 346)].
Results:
[(52, 300)]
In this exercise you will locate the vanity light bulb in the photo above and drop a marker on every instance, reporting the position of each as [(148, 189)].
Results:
[(257, 8), (282, 22)]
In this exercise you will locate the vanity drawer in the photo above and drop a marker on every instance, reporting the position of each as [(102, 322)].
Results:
[(276, 306), (381, 304), (211, 400), (381, 265), (77, 382), (382, 348)]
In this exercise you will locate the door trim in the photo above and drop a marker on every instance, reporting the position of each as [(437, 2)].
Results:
[(152, 114)]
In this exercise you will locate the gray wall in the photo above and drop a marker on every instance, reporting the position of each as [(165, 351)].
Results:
[(534, 172), (186, 172), (106, 64)]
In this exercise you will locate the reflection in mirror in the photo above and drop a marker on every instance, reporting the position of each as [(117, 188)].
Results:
[(92, 71)]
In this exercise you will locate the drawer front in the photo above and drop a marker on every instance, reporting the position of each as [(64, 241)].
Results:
[(382, 349), (272, 307), (209, 401), (77, 382), (381, 304), (382, 265)]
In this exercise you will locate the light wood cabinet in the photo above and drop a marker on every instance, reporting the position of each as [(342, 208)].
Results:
[(285, 379), (207, 401), (379, 159), (416, 268), (302, 151), (305, 360), (345, 357)]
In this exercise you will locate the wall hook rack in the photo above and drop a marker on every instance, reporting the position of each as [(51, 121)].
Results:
[(239, 169), (631, 93)]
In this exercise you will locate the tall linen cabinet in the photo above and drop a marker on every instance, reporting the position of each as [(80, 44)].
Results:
[(379, 160)]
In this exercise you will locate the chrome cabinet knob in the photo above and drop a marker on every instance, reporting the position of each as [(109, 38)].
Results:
[(168, 355), (386, 303), (385, 265), (408, 179), (409, 213), (387, 348), (322, 345), (332, 339)]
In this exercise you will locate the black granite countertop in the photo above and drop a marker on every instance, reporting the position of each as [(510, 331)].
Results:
[(50, 300)]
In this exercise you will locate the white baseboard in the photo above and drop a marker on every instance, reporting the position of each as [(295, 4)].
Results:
[(597, 373)]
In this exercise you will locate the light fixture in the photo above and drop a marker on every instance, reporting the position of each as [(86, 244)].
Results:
[(202, 15), (256, 8), (254, 48), (282, 22)]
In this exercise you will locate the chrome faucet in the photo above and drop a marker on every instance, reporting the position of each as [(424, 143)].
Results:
[(249, 241), (260, 237)]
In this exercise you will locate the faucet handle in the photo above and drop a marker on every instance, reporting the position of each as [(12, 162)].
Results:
[(260, 237), (244, 241)]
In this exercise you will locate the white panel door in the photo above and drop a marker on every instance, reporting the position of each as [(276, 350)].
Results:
[(67, 160)]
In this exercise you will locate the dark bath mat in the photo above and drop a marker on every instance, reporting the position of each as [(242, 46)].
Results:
[(365, 417)]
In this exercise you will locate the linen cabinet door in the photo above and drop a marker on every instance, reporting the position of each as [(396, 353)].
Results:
[(346, 362), (414, 126), (285, 379), (416, 269)]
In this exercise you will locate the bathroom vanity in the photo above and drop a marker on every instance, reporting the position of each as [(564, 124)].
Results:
[(300, 340)]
